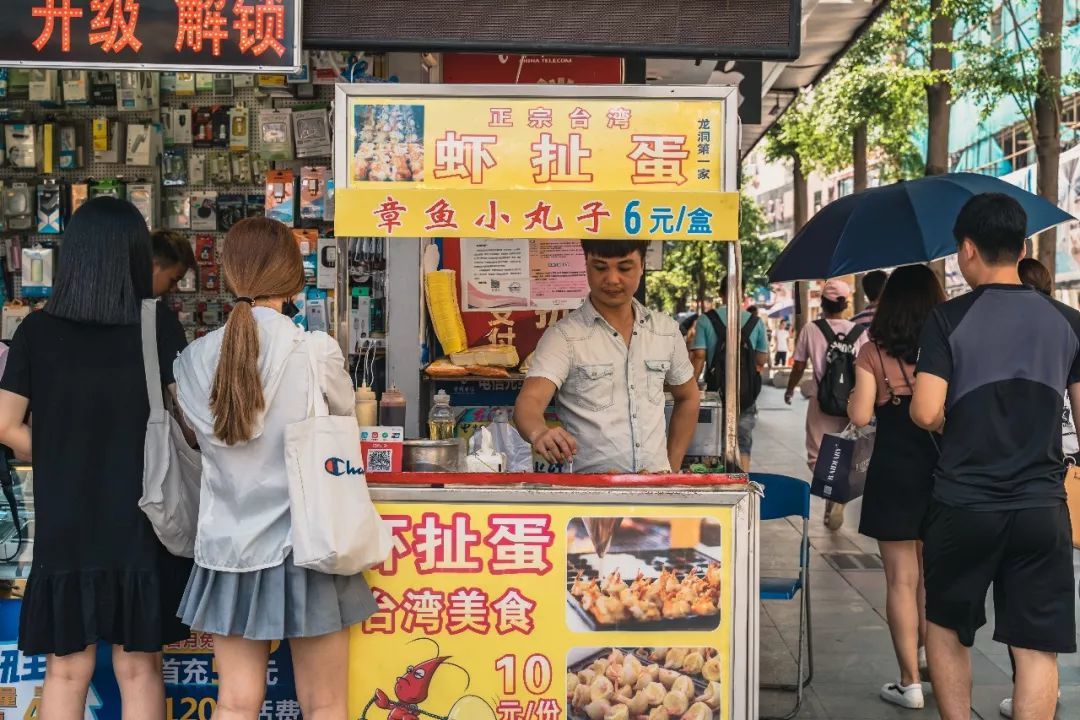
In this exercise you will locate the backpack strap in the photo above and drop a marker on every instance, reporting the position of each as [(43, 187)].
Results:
[(749, 327), (826, 330), (721, 335), (854, 333)]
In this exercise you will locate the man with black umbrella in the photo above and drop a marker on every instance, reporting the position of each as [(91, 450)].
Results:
[(991, 370)]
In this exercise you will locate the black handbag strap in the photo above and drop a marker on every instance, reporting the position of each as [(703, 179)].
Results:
[(7, 483)]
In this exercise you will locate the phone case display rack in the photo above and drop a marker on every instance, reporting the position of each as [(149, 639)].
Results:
[(202, 301)]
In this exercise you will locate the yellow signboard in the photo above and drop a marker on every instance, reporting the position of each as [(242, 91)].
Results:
[(536, 143), (537, 167), (388, 211), (548, 612)]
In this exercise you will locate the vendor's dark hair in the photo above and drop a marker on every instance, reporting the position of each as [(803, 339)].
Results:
[(172, 249), (910, 295), (106, 267), (614, 248)]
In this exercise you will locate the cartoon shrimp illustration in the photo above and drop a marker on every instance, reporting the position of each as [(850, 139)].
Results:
[(413, 686)]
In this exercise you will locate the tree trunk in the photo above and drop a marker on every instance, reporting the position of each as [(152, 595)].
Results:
[(802, 288), (938, 99), (1048, 118), (859, 182)]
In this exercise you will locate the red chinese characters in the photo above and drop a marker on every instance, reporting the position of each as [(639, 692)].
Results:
[(501, 117), (519, 544), (467, 611), (464, 156), (513, 613), (490, 219), (50, 14), (592, 213), (423, 610), (542, 709), (579, 119), (619, 117), (540, 117), (541, 215), (442, 216), (383, 620), (389, 214), (261, 27), (559, 162), (658, 159), (113, 26), (397, 524), (445, 548), (200, 21)]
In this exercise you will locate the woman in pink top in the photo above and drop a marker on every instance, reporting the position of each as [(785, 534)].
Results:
[(810, 347), (900, 476)]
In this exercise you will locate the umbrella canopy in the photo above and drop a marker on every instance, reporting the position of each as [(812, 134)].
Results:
[(899, 224), (783, 308)]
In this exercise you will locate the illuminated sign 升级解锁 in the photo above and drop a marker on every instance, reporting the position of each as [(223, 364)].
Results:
[(148, 34)]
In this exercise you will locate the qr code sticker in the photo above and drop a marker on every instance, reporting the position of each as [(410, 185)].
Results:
[(379, 461)]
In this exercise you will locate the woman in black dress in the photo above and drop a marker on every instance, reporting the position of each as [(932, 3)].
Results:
[(99, 573), (899, 479)]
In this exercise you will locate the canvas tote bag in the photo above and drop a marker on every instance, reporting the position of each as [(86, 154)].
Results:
[(172, 470), (335, 527)]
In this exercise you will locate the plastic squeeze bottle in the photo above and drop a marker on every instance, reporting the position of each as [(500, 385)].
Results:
[(392, 408), (367, 409)]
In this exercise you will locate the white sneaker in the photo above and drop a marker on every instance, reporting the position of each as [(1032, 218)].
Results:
[(922, 659), (1005, 708), (906, 697)]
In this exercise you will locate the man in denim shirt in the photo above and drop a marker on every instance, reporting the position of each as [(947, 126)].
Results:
[(608, 364)]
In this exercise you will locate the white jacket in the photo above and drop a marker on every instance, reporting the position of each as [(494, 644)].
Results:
[(244, 521)]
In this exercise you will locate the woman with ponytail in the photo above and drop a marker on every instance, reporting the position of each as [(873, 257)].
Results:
[(239, 387)]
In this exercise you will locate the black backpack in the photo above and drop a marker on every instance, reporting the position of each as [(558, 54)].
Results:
[(749, 377), (838, 378)]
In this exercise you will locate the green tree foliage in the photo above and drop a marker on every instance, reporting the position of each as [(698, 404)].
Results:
[(692, 270)]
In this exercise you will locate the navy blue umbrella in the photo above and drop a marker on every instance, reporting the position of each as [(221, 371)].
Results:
[(899, 224)]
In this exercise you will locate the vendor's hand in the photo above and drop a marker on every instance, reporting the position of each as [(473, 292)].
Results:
[(788, 394), (554, 445)]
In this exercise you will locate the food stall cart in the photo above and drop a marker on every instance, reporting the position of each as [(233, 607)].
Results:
[(542, 596)]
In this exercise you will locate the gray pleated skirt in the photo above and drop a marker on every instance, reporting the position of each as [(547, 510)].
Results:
[(274, 603)]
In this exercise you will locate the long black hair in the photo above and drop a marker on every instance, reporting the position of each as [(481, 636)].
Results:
[(910, 294), (106, 265)]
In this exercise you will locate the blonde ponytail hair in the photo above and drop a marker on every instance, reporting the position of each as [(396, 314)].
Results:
[(261, 261)]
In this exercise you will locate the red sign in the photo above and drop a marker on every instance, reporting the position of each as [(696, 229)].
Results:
[(531, 69)]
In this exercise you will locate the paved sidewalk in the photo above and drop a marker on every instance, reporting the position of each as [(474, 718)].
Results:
[(852, 648)]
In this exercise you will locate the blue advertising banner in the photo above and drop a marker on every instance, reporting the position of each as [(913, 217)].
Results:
[(189, 670)]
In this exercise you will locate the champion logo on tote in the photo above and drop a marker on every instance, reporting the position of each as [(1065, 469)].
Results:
[(338, 467)]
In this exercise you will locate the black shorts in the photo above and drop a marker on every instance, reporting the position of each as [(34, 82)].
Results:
[(1026, 554)]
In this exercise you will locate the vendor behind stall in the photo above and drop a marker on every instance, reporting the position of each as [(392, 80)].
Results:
[(609, 362)]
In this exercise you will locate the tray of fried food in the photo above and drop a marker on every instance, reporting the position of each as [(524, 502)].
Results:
[(676, 591), (615, 684)]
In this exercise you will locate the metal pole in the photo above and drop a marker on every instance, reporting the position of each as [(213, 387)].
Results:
[(731, 348)]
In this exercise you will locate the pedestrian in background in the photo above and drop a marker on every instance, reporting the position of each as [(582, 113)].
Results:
[(710, 339), (811, 347), (782, 336), (873, 283), (992, 365), (900, 476), (240, 387), (99, 573)]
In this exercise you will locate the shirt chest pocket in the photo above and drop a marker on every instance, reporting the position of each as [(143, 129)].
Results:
[(656, 373), (594, 386)]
